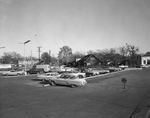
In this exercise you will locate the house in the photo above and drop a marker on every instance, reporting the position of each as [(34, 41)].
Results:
[(90, 61), (145, 60)]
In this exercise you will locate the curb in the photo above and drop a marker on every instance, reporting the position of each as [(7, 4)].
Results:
[(113, 73)]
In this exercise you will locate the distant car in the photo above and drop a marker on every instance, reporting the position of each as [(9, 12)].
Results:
[(14, 72), (88, 74), (93, 72), (118, 69), (48, 76), (145, 66), (68, 79), (4, 72), (35, 71), (113, 69), (100, 71), (80, 74), (123, 67)]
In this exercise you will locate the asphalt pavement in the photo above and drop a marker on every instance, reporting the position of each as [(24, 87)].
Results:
[(102, 97)]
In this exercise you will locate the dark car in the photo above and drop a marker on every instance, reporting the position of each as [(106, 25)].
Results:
[(35, 71), (88, 74)]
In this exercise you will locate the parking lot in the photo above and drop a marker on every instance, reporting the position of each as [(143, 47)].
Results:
[(101, 97)]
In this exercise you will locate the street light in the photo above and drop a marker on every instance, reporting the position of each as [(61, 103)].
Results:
[(27, 41), (24, 54), (24, 47)]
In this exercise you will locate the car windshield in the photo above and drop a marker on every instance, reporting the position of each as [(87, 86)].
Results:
[(68, 76)]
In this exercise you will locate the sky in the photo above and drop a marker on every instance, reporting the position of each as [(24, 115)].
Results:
[(82, 25)]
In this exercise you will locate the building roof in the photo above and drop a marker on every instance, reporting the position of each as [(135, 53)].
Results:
[(86, 58)]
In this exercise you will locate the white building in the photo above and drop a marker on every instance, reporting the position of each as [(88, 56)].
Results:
[(29, 63), (145, 60)]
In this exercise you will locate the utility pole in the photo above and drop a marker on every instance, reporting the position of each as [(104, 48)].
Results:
[(31, 55), (49, 56), (25, 61), (39, 50)]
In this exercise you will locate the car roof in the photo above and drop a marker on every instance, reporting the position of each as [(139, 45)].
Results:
[(51, 72), (70, 74)]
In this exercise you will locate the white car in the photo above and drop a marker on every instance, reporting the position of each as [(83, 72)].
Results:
[(123, 66), (79, 74), (68, 79), (99, 71), (13, 72), (48, 76), (114, 69), (145, 66)]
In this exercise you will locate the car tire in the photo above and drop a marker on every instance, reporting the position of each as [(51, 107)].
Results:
[(53, 83), (80, 76), (73, 86)]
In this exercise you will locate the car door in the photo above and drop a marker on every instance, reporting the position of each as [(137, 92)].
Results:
[(61, 81), (69, 80), (72, 81), (12, 72)]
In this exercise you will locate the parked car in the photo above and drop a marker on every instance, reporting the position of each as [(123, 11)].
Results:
[(13, 72), (4, 72), (93, 72), (114, 69), (145, 66), (69, 79), (47, 76), (88, 74), (123, 67), (80, 74), (35, 71), (100, 71)]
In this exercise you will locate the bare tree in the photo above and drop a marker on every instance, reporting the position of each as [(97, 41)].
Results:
[(132, 49), (132, 55), (123, 51)]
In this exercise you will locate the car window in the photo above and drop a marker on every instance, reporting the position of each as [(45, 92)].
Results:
[(53, 74), (67, 76), (72, 77), (62, 76)]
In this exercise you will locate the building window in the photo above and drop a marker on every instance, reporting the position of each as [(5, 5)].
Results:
[(148, 62), (144, 61)]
